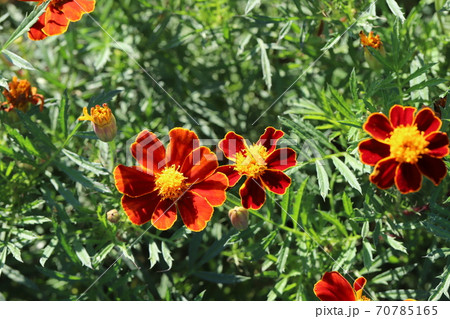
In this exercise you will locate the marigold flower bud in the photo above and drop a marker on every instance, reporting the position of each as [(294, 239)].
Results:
[(239, 218), (103, 122), (113, 216), (374, 42)]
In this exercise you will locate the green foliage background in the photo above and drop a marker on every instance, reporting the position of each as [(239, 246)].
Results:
[(216, 66)]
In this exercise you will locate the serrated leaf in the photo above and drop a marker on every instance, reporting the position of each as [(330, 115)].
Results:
[(166, 255), (282, 255), (48, 250), (444, 285), (322, 177), (63, 114), (428, 83), (78, 177), (346, 173), (284, 30), (365, 229), (396, 10), (34, 220), (82, 254), (265, 64), (104, 97), (251, 4), (297, 203), (15, 251), (367, 254), (335, 221), (395, 244), (95, 168), (17, 60), (277, 290), (348, 206), (153, 254), (3, 255), (99, 257)]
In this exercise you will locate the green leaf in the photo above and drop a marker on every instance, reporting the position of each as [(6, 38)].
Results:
[(215, 248), (265, 64), (396, 9), (322, 177), (283, 254), (392, 275), (166, 255), (34, 220), (428, 83), (17, 60), (95, 168), (63, 114), (443, 286), (15, 251), (277, 290), (251, 4), (26, 24), (48, 250), (367, 254), (284, 30), (395, 244), (76, 176), (335, 221), (220, 278), (104, 97), (348, 206), (298, 202), (354, 87), (153, 254), (418, 72), (365, 229), (3, 255), (100, 256), (346, 173), (82, 254)]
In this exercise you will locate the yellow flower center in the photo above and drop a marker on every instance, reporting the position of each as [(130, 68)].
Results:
[(170, 183), (371, 40), (100, 115), (408, 144), (252, 162)]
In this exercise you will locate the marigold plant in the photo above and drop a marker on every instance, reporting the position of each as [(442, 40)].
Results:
[(20, 96), (404, 147)]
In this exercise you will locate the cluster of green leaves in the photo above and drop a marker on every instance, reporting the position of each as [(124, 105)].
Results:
[(216, 66)]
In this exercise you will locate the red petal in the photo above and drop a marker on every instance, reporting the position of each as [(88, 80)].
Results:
[(270, 138), (74, 10), (282, 159), (165, 215), (132, 181), (408, 178), (358, 287), (433, 168), (140, 209), (438, 144), (200, 164), (378, 126), (276, 181), (55, 21), (149, 152), (213, 189), (384, 173), (232, 144), (427, 122), (401, 115), (35, 32), (252, 194), (334, 287), (182, 142), (372, 151), (232, 175), (195, 211)]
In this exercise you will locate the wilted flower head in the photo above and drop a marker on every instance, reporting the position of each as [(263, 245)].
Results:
[(374, 42), (20, 95), (103, 121), (239, 217)]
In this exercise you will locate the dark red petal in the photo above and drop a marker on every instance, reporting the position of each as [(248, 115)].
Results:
[(282, 159), (378, 126), (132, 181), (358, 287), (35, 32), (199, 164), (270, 138), (140, 209), (433, 168), (74, 10), (213, 189), (408, 178), (149, 152), (401, 115), (438, 144), (252, 194), (231, 145), (372, 151), (276, 181), (334, 287), (427, 122), (165, 215), (232, 175), (182, 142), (384, 173), (195, 211)]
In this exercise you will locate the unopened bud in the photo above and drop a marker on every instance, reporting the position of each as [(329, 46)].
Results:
[(113, 216), (239, 218), (103, 122)]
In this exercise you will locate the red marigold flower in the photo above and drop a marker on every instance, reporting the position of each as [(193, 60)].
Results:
[(56, 18), (405, 147), (334, 287), (261, 162), (182, 176), (20, 95)]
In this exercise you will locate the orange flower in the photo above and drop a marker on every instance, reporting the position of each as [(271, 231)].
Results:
[(20, 95), (56, 18), (182, 176), (261, 163), (404, 147), (334, 287), (374, 42), (103, 122)]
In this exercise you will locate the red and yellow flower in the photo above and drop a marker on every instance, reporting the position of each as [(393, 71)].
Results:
[(334, 287), (261, 163), (404, 147), (103, 122), (182, 177), (20, 96), (57, 16)]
